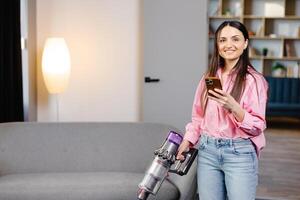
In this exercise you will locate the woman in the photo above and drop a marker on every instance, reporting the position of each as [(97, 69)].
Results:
[(230, 122)]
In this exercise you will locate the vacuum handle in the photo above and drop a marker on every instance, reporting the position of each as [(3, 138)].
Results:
[(182, 166)]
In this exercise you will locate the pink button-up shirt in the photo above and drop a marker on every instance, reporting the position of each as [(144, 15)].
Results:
[(220, 123)]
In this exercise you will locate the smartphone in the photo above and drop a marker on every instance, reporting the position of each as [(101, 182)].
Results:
[(212, 83)]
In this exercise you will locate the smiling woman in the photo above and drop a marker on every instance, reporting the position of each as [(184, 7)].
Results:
[(229, 123)]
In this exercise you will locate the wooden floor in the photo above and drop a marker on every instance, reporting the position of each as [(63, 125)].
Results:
[(279, 166)]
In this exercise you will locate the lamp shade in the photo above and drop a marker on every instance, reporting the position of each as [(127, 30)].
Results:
[(56, 65)]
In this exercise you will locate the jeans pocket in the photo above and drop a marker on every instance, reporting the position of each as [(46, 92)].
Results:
[(243, 149)]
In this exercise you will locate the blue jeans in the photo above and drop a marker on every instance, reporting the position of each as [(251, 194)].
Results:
[(227, 169)]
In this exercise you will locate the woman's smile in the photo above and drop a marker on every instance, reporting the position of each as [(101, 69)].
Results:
[(229, 51)]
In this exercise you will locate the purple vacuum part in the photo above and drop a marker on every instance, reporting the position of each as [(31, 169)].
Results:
[(175, 138), (161, 165)]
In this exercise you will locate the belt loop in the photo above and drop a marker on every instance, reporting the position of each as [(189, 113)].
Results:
[(231, 142), (206, 139)]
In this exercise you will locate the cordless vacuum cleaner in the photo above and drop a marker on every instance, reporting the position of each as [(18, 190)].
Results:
[(164, 158)]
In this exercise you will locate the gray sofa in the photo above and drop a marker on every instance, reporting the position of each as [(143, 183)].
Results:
[(72, 161)]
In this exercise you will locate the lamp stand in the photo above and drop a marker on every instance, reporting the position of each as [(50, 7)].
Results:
[(57, 106)]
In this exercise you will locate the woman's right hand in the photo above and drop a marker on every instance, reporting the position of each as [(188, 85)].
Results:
[(184, 147)]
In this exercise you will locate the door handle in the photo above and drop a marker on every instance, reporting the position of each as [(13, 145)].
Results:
[(149, 79)]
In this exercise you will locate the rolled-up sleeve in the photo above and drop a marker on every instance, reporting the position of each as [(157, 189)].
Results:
[(192, 133), (254, 103)]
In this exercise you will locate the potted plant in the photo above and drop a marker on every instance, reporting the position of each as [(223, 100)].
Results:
[(278, 70), (265, 51)]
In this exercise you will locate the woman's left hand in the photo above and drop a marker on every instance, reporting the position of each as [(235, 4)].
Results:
[(228, 102)]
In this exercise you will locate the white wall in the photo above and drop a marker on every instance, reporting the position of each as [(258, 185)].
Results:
[(104, 41)]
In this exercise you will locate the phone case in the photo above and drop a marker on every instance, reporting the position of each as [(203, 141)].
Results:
[(212, 83)]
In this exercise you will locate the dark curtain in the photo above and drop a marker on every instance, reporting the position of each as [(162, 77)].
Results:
[(11, 92)]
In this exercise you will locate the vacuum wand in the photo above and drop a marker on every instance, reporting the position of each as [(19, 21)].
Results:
[(164, 158)]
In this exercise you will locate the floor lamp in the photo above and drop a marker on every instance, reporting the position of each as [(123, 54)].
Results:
[(56, 67)]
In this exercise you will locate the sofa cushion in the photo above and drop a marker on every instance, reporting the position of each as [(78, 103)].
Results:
[(35, 147), (78, 186)]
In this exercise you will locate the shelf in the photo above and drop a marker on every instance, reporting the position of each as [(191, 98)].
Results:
[(285, 18), (256, 57), (266, 38), (275, 58), (288, 58), (224, 17), (273, 38), (290, 17), (291, 38), (253, 17)]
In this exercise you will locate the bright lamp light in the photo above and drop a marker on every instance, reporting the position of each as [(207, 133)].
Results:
[(56, 65)]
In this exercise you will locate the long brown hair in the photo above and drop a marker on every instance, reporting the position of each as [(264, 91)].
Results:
[(241, 67)]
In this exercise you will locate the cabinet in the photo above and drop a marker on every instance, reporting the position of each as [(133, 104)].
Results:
[(274, 30)]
